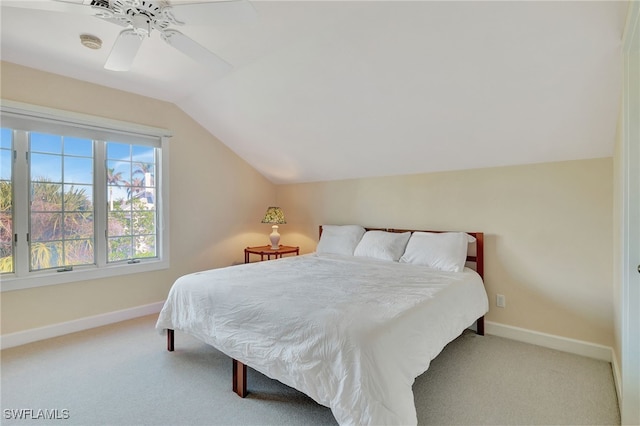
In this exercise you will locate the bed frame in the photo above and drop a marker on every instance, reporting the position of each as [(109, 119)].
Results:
[(240, 369)]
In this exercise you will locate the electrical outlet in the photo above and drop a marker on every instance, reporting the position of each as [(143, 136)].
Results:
[(501, 301)]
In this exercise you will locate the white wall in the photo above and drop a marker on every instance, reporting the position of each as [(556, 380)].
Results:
[(548, 233)]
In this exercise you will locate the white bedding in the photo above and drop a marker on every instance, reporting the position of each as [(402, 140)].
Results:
[(352, 333)]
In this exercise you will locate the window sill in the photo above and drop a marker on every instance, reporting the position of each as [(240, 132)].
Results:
[(13, 282)]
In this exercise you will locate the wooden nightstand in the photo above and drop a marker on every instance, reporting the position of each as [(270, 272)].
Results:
[(268, 251)]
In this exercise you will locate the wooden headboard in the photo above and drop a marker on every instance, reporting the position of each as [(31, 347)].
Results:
[(476, 258)]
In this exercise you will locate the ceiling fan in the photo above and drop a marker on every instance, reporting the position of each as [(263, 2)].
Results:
[(141, 17)]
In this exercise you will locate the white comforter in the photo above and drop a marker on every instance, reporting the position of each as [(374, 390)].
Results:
[(352, 333)]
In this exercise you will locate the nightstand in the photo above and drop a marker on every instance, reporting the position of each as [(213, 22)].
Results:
[(263, 251)]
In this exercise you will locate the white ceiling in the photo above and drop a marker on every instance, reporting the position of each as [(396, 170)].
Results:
[(325, 90)]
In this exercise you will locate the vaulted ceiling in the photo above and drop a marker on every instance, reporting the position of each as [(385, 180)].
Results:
[(325, 90)]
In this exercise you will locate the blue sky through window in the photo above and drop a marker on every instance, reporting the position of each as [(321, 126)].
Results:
[(48, 153), (5, 138), (51, 154), (5, 153), (41, 142)]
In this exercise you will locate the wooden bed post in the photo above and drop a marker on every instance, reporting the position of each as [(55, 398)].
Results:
[(480, 254), (170, 340), (480, 326), (239, 378), (480, 270)]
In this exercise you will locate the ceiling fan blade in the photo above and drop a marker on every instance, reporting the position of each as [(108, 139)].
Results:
[(214, 13), (51, 6), (196, 51), (123, 52)]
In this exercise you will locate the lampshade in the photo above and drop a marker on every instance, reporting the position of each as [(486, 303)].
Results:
[(274, 216)]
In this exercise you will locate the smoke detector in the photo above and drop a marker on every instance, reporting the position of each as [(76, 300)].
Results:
[(90, 41)]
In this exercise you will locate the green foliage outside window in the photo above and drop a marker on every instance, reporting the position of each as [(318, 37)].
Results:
[(61, 226)]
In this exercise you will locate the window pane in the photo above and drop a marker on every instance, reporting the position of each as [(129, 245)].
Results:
[(5, 164), (118, 151), (146, 172), (119, 172), (78, 147), (46, 227), (6, 201), (78, 225), (46, 255), (120, 248), (46, 167), (144, 222), (46, 197), (61, 223), (78, 170), (132, 210), (137, 198), (6, 257), (143, 154), (117, 197), (119, 223), (40, 142), (145, 246), (6, 138), (78, 252), (78, 198)]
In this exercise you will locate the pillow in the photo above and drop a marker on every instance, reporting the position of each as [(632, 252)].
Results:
[(382, 245), (446, 251), (340, 239)]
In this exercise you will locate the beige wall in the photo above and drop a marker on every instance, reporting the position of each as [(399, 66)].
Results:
[(548, 233), (216, 202), (548, 226)]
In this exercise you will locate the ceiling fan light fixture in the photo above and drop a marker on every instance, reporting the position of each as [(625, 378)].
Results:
[(90, 41), (140, 17)]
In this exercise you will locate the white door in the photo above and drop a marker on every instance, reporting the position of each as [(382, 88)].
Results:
[(631, 223)]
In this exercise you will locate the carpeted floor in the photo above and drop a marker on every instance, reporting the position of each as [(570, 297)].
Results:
[(123, 375)]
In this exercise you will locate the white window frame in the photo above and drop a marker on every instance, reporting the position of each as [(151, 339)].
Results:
[(100, 129)]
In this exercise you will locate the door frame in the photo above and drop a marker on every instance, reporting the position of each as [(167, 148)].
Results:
[(630, 289)]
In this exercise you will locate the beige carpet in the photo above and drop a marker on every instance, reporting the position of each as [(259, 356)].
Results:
[(122, 375)]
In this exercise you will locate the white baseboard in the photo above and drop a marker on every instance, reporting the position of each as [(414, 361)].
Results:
[(578, 347), (33, 335)]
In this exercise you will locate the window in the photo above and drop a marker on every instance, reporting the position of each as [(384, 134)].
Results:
[(61, 227), (6, 201), (82, 197), (131, 223)]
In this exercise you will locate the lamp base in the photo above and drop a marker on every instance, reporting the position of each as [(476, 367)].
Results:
[(275, 238)]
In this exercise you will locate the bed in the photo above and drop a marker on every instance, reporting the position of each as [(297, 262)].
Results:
[(350, 325)]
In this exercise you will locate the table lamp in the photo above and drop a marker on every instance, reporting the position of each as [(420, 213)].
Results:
[(274, 216)]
